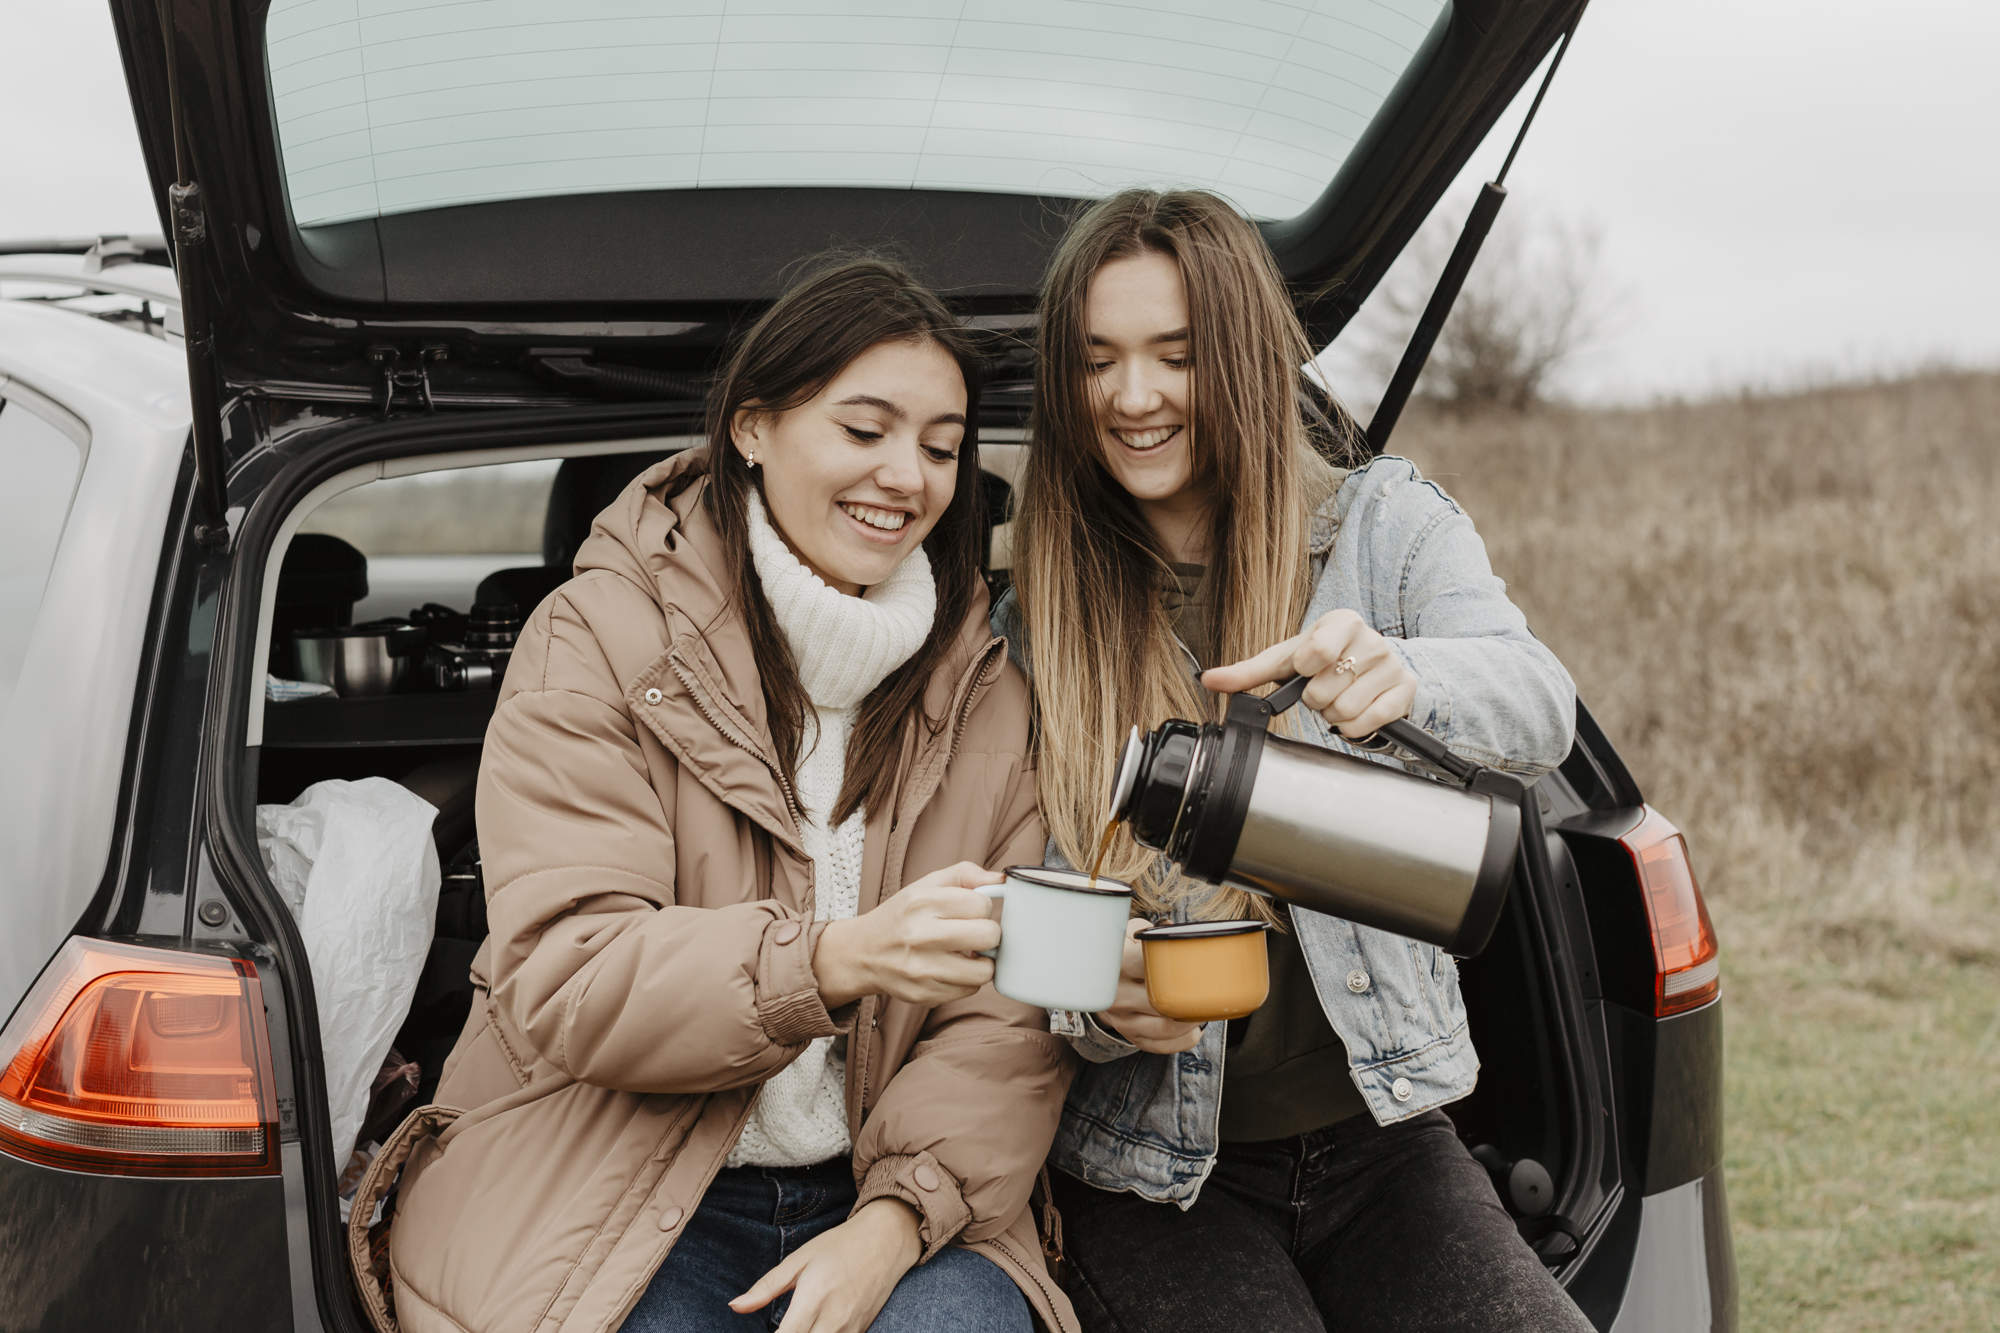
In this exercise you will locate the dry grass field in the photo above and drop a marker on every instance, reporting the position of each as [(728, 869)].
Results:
[(1785, 612)]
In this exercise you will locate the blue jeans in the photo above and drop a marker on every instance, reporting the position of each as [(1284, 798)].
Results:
[(753, 1216)]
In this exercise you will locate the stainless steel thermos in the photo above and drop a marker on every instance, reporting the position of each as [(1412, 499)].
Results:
[(1324, 830)]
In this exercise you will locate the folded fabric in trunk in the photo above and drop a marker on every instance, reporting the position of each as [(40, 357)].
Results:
[(355, 863)]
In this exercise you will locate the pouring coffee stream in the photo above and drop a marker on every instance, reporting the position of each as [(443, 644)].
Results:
[(1103, 847), (1323, 830)]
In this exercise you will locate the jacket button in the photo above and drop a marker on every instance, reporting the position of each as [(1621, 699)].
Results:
[(671, 1218), (1357, 981), (786, 933), (653, 695), (926, 1178), (1400, 1089)]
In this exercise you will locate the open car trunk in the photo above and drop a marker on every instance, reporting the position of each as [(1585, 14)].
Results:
[(441, 232), (1538, 1116)]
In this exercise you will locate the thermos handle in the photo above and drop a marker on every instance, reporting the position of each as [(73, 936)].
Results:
[(1401, 732), (1286, 695)]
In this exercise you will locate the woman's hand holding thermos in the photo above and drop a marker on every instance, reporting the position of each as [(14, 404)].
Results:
[(1356, 680), (921, 945)]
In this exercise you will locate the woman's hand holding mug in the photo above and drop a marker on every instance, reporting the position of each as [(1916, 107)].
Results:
[(921, 945), (1358, 682), (1133, 1017)]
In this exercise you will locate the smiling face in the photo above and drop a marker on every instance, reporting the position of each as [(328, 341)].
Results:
[(1136, 323), (858, 475)]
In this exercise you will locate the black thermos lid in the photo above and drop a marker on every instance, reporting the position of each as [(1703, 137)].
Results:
[(1216, 813), (1155, 804)]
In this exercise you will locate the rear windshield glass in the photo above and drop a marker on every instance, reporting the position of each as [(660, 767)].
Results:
[(390, 107)]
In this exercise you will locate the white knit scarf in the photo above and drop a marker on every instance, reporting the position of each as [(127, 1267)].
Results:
[(843, 648)]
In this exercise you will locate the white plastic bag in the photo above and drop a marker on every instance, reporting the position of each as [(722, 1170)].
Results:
[(355, 863)]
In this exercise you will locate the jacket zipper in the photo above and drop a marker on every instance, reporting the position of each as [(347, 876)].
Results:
[(1019, 1269), (980, 679), (857, 1048), (707, 710)]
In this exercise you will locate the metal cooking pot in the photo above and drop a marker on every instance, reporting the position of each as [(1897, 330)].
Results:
[(360, 660)]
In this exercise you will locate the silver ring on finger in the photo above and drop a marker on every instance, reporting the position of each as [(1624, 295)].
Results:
[(1345, 666)]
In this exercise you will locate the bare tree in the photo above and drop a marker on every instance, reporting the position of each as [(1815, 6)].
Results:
[(1535, 298)]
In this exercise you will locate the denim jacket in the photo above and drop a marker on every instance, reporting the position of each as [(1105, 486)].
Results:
[(1394, 547)]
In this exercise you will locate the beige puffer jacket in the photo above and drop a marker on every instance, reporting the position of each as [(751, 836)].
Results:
[(650, 960)]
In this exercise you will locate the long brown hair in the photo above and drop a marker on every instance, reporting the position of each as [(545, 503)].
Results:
[(1088, 567), (825, 319)]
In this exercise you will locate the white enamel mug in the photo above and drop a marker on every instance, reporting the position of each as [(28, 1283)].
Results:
[(1062, 939)]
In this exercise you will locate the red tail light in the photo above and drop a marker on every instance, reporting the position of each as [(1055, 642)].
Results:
[(1687, 971), (140, 1061)]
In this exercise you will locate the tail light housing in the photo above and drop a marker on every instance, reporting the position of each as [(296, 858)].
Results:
[(137, 1061), (1687, 968)]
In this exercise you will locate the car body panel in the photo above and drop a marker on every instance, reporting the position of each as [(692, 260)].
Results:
[(67, 728), (158, 1255), (1683, 1269), (1673, 1095)]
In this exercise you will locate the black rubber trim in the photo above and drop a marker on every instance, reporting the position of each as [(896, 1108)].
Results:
[(1583, 1146), (1505, 797), (1595, 770)]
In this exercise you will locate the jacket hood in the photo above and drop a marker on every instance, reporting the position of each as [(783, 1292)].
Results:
[(658, 529)]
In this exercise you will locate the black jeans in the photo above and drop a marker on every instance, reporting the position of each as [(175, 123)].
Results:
[(1355, 1226)]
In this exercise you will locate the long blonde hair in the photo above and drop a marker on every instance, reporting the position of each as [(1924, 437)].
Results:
[(1088, 569)]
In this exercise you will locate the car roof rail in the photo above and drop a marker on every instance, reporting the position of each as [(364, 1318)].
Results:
[(109, 272), (105, 250)]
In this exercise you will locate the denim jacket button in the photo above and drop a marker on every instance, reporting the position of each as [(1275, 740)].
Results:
[(1357, 981), (1400, 1089)]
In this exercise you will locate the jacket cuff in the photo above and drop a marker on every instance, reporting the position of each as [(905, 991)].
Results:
[(1090, 1038), (924, 1185), (787, 991)]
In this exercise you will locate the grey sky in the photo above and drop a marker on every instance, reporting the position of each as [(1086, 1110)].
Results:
[(1786, 191)]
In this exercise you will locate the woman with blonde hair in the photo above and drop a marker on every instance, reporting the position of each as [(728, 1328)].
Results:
[(1181, 533)]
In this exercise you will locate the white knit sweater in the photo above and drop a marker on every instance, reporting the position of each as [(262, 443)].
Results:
[(844, 647)]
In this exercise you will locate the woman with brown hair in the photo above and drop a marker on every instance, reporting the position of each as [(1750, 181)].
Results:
[(733, 1057), (1179, 532)]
